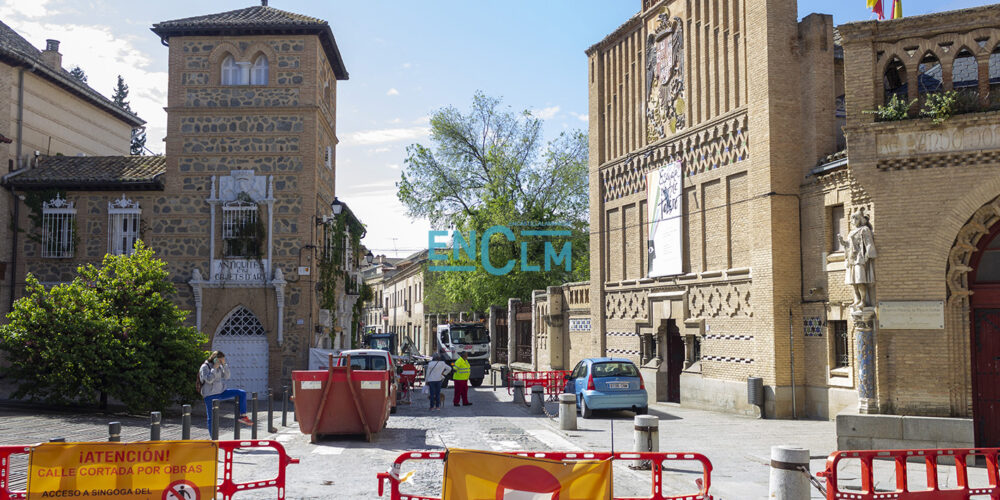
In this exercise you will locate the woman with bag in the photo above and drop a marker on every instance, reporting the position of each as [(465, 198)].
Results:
[(433, 376)]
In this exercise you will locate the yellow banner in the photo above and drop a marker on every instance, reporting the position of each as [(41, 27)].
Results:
[(484, 475), (180, 470)]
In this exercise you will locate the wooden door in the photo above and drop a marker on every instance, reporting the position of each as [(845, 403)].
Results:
[(675, 362), (986, 377)]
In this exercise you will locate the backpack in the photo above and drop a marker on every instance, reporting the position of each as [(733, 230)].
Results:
[(198, 383)]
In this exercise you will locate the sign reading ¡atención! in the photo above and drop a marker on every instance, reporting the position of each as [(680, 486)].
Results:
[(123, 471)]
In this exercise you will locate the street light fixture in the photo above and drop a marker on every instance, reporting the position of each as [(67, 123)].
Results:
[(369, 257), (337, 206)]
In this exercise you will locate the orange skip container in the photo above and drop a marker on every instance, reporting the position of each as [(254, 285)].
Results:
[(340, 400)]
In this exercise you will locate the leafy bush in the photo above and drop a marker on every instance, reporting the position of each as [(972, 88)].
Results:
[(894, 110), (940, 105), (112, 332)]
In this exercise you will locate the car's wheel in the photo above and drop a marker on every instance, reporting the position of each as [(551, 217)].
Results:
[(585, 411), (476, 382), (642, 410)]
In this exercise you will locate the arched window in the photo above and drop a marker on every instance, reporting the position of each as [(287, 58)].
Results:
[(231, 71), (929, 78), (995, 77), (894, 80), (965, 72), (258, 74)]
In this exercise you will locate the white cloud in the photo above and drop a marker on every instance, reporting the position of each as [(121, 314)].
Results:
[(407, 65), (394, 166), (379, 150), (26, 8), (546, 113), (423, 120), (384, 136), (581, 117), (385, 232), (104, 55), (396, 120), (392, 92)]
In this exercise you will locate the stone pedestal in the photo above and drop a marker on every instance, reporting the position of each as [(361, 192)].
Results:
[(864, 333)]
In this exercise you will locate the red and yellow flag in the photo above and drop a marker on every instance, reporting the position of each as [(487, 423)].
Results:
[(895, 11), (485, 475)]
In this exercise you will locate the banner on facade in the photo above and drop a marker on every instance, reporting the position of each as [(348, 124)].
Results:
[(663, 197), (484, 474), (123, 471)]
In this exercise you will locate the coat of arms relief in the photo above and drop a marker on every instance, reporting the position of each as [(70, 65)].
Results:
[(665, 103)]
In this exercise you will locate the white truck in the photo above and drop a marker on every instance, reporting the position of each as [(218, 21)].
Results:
[(453, 339)]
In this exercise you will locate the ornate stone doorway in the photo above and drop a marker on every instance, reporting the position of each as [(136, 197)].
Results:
[(984, 283), (242, 338)]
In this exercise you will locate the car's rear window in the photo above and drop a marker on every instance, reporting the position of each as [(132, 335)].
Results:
[(615, 369), (368, 362)]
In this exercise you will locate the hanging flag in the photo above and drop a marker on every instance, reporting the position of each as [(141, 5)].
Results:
[(897, 9), (876, 7)]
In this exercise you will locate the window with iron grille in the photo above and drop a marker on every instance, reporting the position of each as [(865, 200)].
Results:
[(123, 226), (841, 351), (58, 228), (241, 231)]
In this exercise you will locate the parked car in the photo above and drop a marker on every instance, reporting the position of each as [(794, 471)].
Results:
[(375, 360), (607, 384)]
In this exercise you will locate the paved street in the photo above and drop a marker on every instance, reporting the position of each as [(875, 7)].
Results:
[(738, 447)]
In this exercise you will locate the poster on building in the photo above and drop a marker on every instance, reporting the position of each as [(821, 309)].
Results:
[(663, 197), (123, 471)]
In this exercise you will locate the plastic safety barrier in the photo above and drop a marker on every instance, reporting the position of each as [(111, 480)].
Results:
[(227, 488), (553, 381), (657, 459), (933, 490)]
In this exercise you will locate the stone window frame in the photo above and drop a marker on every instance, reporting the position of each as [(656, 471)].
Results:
[(260, 65), (247, 56), (58, 228), (124, 217), (933, 69), (838, 376)]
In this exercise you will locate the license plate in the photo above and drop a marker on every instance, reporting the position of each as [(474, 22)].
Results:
[(617, 385)]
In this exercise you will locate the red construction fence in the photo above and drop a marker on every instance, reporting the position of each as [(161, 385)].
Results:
[(554, 381), (658, 460), (936, 469)]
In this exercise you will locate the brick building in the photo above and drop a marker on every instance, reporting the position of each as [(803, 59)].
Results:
[(242, 207)]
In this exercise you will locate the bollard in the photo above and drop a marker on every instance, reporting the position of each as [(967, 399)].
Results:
[(537, 399), (567, 412), (284, 406), (519, 392), (253, 413), (186, 422), (789, 473), (115, 432), (236, 419), (154, 425), (215, 420), (270, 412), (647, 438)]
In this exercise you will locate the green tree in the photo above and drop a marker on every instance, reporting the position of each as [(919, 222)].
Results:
[(111, 332), (77, 72), (120, 93), (138, 141), (490, 167)]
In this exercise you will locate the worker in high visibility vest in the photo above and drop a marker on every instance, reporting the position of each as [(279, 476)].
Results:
[(461, 379)]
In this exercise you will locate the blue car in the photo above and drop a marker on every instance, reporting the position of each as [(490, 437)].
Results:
[(607, 384)]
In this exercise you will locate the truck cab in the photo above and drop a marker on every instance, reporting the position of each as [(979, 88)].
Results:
[(452, 339)]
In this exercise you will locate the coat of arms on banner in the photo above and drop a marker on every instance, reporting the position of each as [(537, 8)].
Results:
[(665, 77)]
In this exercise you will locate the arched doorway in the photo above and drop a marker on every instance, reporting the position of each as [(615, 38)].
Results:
[(984, 283), (242, 338)]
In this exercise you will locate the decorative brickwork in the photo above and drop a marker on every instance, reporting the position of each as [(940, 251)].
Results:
[(235, 97), (628, 305), (730, 300)]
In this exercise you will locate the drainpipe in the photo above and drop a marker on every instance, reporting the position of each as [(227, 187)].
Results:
[(791, 354), (13, 258), (20, 113)]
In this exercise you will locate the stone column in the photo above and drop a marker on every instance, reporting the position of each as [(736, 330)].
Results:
[(493, 334), (279, 294), (196, 281), (511, 330), (864, 332)]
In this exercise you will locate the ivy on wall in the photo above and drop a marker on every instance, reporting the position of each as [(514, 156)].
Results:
[(332, 267)]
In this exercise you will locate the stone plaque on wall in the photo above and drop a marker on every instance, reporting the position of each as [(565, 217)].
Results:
[(943, 140), (911, 315), (239, 270)]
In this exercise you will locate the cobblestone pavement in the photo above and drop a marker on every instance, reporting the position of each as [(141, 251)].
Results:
[(345, 467)]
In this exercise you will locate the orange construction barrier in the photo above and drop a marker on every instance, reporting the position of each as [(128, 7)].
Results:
[(959, 491), (658, 460), (554, 381), (227, 488)]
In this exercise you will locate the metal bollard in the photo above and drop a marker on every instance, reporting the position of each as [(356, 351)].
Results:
[(270, 412), (236, 418), (567, 412), (519, 392), (154, 425), (647, 438), (186, 422), (115, 432), (538, 399), (284, 406), (789, 473), (253, 418), (215, 419)]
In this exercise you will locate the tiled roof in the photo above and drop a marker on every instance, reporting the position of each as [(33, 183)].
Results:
[(15, 50), (257, 20), (93, 172)]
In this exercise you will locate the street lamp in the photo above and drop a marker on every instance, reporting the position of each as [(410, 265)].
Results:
[(369, 257), (337, 206)]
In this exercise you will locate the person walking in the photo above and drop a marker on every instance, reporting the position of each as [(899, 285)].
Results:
[(461, 379), (212, 373), (434, 375)]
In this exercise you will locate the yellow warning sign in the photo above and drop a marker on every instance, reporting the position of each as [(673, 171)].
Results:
[(123, 471)]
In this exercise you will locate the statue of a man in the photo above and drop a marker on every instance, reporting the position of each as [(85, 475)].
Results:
[(860, 258)]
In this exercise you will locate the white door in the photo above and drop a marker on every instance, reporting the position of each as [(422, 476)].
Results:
[(241, 337)]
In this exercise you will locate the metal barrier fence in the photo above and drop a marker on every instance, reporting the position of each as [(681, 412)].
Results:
[(554, 381), (658, 461), (902, 491), (227, 488)]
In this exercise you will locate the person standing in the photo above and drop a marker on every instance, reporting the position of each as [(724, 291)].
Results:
[(461, 379), (434, 374), (212, 373)]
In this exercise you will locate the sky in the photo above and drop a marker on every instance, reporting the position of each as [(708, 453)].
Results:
[(406, 60)]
